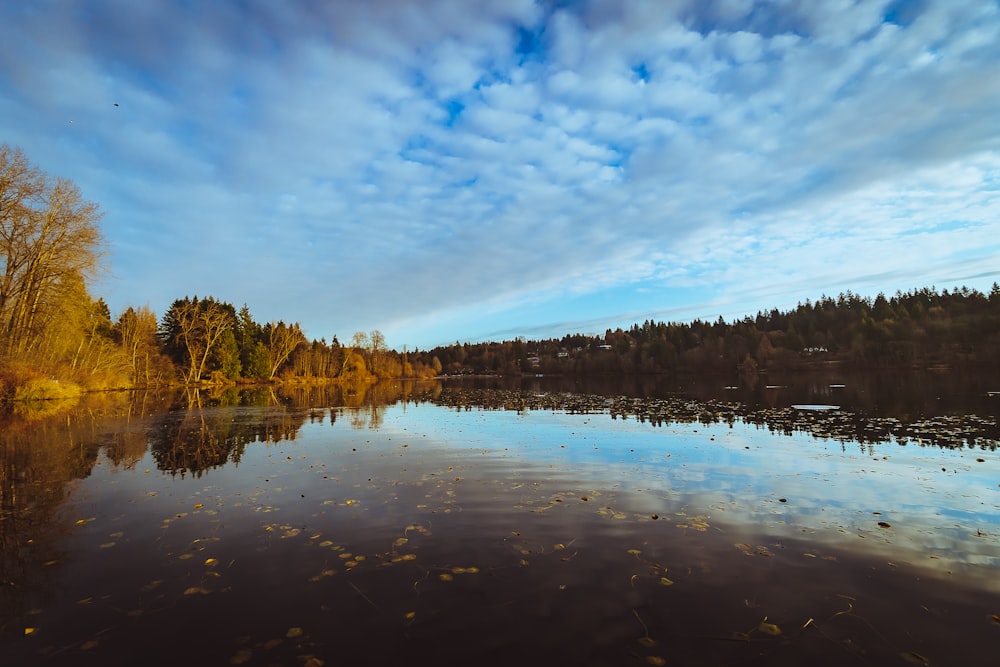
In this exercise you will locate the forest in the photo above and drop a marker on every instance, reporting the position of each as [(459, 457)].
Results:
[(58, 339), (922, 328)]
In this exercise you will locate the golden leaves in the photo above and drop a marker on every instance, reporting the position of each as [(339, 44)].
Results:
[(769, 628), (241, 656), (914, 658), (748, 550)]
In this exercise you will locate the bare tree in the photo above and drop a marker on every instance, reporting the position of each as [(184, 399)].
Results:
[(376, 349), (49, 240), (359, 341), (192, 328), (282, 339), (136, 328)]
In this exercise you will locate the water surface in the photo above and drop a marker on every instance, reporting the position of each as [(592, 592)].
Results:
[(316, 532)]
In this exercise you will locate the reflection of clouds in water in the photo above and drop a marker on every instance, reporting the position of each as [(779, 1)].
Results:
[(736, 476)]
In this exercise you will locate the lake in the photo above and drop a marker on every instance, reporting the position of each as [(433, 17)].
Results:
[(492, 522)]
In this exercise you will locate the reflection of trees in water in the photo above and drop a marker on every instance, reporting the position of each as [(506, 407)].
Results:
[(211, 431), (39, 455), (946, 431), (208, 429), (363, 402)]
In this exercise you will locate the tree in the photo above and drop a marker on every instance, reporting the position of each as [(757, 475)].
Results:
[(136, 332), (49, 241), (282, 339), (190, 331), (249, 337), (376, 351)]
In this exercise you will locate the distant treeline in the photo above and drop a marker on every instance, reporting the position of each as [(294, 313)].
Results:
[(917, 329), (56, 338)]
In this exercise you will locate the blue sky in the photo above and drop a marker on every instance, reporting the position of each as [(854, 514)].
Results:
[(451, 170)]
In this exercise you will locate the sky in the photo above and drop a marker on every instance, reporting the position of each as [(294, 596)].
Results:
[(449, 171)]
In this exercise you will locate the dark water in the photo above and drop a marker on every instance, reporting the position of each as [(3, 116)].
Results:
[(321, 527)]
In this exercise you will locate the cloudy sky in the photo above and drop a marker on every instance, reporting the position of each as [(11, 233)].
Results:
[(456, 170)]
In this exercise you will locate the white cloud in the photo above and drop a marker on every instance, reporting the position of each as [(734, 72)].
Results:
[(771, 148)]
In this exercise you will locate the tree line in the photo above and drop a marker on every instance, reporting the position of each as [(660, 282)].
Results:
[(53, 330), (56, 337), (917, 329)]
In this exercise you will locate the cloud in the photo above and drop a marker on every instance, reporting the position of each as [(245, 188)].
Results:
[(414, 166)]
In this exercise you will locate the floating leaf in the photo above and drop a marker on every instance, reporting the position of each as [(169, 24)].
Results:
[(883, 524), (400, 541), (293, 633), (914, 658), (326, 543), (30, 631), (769, 629), (211, 562), (666, 582), (198, 506), (86, 646), (410, 615), (242, 656), (634, 552), (648, 642), (444, 576), (196, 590), (655, 660)]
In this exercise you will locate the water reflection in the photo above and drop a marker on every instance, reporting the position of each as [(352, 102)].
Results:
[(377, 523)]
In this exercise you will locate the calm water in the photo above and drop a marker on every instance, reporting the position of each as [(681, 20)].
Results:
[(382, 527)]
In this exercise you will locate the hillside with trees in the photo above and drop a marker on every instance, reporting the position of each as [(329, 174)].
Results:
[(57, 339), (922, 328)]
